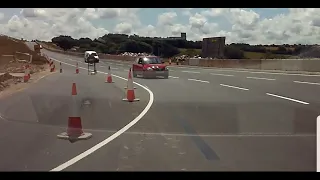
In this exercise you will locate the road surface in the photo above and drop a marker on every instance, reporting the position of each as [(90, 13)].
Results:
[(199, 119)]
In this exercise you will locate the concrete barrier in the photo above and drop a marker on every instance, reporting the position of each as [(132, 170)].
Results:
[(309, 65)]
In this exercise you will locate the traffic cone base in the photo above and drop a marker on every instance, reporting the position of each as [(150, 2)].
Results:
[(83, 136), (136, 99)]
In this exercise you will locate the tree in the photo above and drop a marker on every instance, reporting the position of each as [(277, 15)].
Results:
[(65, 42), (232, 52)]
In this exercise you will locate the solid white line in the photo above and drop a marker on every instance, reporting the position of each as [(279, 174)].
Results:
[(190, 71), (304, 82), (113, 136), (221, 74), (173, 77), (198, 80), (290, 99), (318, 144), (261, 78), (234, 87)]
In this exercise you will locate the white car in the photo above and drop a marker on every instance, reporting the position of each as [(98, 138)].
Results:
[(91, 57)]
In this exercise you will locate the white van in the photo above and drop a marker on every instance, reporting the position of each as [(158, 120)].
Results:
[(91, 57)]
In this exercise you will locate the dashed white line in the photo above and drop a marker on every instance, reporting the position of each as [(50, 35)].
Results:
[(119, 64), (102, 66), (173, 77), (234, 87), (114, 68), (304, 82), (215, 74), (290, 99), (190, 71), (261, 78), (113, 136), (198, 80)]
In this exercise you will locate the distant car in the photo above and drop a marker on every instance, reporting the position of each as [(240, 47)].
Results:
[(91, 57), (149, 67)]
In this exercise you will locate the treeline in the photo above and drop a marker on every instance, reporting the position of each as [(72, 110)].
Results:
[(119, 43)]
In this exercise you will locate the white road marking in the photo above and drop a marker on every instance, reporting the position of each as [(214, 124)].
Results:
[(173, 77), (234, 87), (198, 80), (290, 99), (261, 78), (102, 66), (113, 136), (318, 143), (221, 74), (190, 71), (304, 82), (113, 68), (262, 72), (254, 72), (119, 64)]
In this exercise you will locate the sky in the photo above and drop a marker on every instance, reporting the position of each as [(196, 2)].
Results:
[(238, 25)]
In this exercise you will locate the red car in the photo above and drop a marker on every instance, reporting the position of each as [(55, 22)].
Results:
[(149, 67)]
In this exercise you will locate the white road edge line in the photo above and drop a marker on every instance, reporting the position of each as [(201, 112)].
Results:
[(221, 74), (304, 82), (290, 99), (261, 78), (198, 80), (173, 77), (234, 87), (190, 71), (254, 72), (113, 136)]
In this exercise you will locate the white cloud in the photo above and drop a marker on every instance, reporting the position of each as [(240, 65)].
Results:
[(167, 19), (238, 25), (123, 28)]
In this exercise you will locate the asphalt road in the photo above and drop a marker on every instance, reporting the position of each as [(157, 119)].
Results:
[(200, 119)]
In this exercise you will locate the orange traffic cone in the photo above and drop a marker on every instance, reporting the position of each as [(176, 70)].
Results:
[(109, 77), (28, 71), (25, 76), (130, 90), (127, 82), (74, 130), (77, 68)]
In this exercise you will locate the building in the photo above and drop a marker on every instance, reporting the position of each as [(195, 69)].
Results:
[(213, 47), (183, 36)]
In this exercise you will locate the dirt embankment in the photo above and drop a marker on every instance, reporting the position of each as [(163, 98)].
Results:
[(14, 56)]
